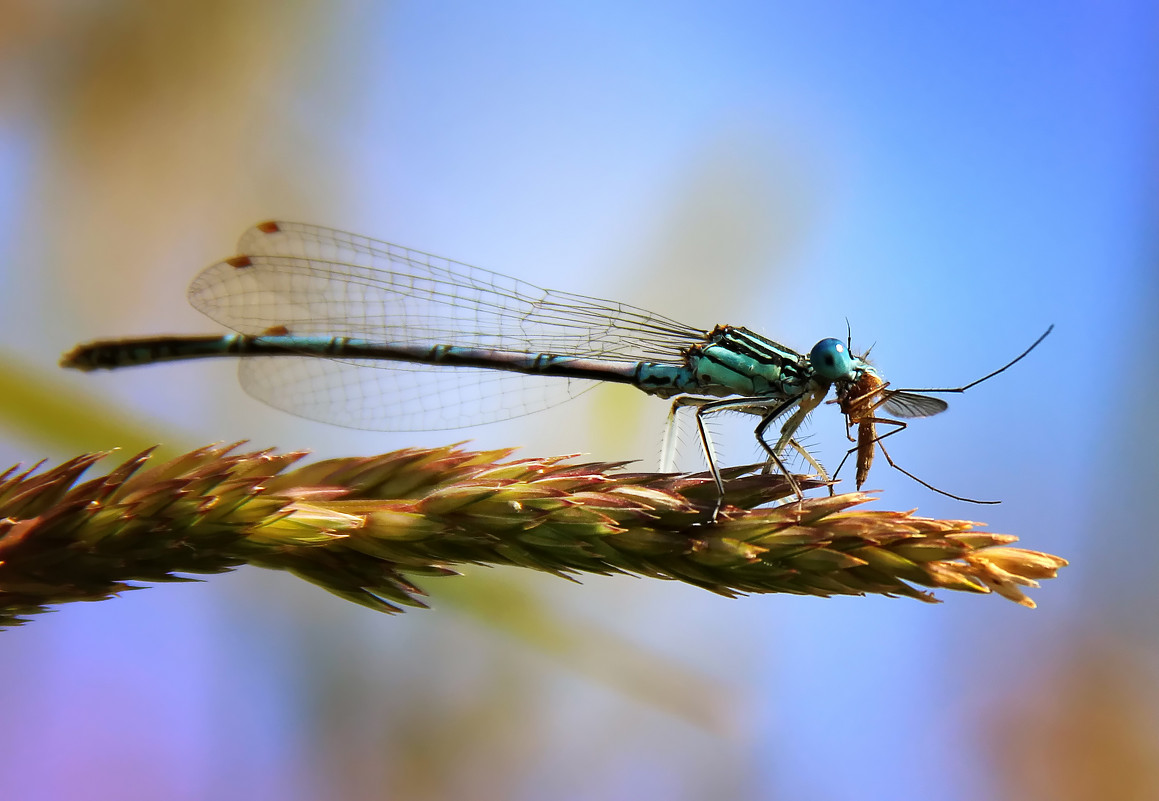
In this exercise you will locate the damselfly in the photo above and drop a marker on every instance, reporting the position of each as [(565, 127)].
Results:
[(458, 345)]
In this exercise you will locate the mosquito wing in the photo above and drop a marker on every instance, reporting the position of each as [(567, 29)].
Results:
[(911, 404)]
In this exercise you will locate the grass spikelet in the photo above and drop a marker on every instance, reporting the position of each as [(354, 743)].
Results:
[(364, 527)]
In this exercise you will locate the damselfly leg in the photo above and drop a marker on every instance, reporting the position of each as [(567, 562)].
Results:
[(763, 408)]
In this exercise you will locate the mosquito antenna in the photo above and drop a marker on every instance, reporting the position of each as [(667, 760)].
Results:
[(1001, 369)]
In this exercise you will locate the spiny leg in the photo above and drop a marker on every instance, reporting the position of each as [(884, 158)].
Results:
[(668, 444), (775, 459), (706, 406), (706, 444), (792, 443), (808, 457), (668, 448), (668, 452), (806, 403), (787, 431)]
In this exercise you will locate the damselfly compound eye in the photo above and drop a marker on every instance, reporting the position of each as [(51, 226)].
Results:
[(831, 360)]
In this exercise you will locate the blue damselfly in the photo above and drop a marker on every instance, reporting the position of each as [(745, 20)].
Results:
[(314, 308)]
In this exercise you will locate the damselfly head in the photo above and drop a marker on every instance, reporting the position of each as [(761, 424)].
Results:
[(832, 361)]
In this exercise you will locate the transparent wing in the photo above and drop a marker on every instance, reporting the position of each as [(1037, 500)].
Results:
[(406, 398), (911, 404), (303, 279), (313, 280)]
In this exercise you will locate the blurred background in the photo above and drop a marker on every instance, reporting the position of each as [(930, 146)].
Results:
[(949, 181)]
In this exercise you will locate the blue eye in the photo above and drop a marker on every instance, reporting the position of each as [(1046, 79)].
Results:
[(831, 360)]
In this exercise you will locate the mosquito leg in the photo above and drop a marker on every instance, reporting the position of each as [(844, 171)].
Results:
[(965, 387), (900, 469), (898, 426), (844, 459)]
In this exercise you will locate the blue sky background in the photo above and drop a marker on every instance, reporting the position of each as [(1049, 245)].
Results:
[(948, 180)]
